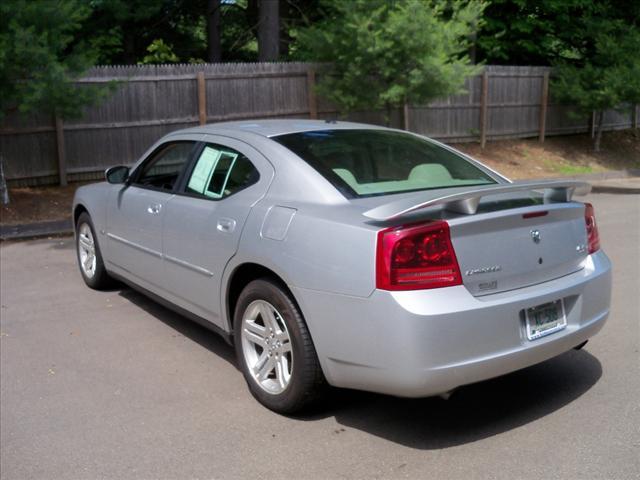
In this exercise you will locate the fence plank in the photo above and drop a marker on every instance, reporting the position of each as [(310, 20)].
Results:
[(483, 109), (62, 158), (544, 98), (311, 93), (202, 99), (406, 117)]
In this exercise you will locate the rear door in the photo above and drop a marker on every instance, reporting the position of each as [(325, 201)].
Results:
[(134, 222), (204, 221)]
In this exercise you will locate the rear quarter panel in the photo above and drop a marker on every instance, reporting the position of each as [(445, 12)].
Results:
[(321, 250)]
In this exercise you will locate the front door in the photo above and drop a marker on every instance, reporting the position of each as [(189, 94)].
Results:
[(203, 222), (134, 223)]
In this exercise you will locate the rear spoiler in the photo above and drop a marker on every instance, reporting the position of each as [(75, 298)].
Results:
[(467, 202)]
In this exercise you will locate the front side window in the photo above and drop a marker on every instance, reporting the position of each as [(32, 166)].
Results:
[(363, 163), (220, 172), (162, 170)]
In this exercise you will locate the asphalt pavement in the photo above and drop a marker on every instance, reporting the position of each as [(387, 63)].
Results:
[(112, 385)]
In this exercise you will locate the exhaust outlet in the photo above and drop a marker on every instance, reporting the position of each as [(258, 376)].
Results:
[(579, 347), (446, 395)]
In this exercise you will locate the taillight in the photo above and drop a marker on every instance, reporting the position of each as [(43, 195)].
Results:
[(593, 237), (415, 257)]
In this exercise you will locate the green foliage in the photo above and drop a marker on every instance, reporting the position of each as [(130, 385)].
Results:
[(606, 73), (607, 77), (546, 32), (121, 31), (39, 57), (385, 53), (533, 32), (159, 52)]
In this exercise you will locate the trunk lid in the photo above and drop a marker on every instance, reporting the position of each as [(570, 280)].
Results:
[(514, 248), (505, 236)]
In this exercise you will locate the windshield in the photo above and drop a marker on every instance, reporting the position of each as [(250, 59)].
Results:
[(363, 163)]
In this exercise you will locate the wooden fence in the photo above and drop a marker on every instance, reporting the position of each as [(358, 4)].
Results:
[(503, 102)]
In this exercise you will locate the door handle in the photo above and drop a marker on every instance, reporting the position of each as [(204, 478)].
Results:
[(154, 209), (226, 225)]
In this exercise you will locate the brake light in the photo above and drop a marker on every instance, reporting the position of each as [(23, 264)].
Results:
[(593, 237), (416, 257), (541, 213)]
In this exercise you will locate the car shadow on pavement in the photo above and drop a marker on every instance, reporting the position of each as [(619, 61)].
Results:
[(473, 412), (190, 329)]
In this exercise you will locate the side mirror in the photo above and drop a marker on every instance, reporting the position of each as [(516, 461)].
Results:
[(118, 174)]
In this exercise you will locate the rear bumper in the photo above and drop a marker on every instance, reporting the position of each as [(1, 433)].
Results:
[(422, 343)]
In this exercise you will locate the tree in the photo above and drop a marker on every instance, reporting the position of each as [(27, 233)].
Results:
[(385, 54), (533, 32), (214, 49), (122, 31), (39, 58), (608, 77), (604, 71), (269, 31)]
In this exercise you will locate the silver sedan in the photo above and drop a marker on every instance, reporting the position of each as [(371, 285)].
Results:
[(350, 255)]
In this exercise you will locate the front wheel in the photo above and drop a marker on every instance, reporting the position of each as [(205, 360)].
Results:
[(89, 256), (274, 348)]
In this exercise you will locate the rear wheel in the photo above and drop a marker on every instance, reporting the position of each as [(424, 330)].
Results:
[(89, 257), (274, 348)]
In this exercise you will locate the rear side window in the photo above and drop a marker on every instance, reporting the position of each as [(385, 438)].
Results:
[(220, 172), (162, 169), (363, 163)]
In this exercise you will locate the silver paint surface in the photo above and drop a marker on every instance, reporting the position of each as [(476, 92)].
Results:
[(321, 244)]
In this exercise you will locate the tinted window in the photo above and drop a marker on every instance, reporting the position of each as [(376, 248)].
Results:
[(221, 171), (162, 170), (378, 162)]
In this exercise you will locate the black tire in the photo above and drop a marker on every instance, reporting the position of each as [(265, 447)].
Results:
[(307, 382), (100, 278)]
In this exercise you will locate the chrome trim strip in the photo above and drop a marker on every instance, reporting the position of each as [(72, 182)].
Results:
[(177, 261), (134, 245), (190, 266)]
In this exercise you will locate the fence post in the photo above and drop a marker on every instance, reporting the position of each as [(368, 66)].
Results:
[(483, 109), (543, 106), (62, 159), (311, 93), (592, 127), (406, 116), (634, 120), (202, 99)]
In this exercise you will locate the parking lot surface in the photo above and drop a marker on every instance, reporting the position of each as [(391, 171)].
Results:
[(112, 385)]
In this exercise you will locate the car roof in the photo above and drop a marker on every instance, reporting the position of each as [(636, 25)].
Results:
[(272, 128)]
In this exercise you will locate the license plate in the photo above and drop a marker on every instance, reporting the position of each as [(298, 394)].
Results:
[(545, 319)]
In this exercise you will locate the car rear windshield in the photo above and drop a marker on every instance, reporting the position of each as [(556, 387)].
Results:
[(362, 163)]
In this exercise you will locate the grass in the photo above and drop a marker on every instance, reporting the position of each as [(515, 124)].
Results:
[(573, 169), (566, 168)]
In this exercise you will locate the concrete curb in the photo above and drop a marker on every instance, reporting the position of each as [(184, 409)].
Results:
[(65, 227), (36, 230), (608, 175)]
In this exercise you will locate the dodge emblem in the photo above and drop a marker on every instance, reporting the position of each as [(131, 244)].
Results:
[(535, 236)]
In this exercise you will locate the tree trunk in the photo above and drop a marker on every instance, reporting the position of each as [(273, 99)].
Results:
[(214, 49), (600, 118), (285, 20), (387, 116), (129, 47), (4, 190), (473, 47), (269, 31)]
